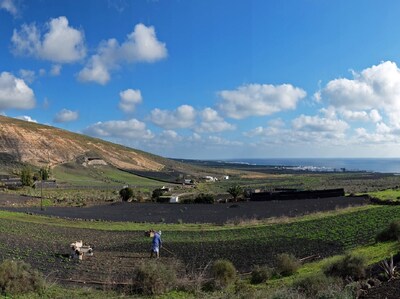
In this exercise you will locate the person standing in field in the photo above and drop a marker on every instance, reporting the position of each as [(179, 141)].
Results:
[(156, 244)]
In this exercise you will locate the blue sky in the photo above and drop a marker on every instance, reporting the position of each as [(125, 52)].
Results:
[(208, 79)]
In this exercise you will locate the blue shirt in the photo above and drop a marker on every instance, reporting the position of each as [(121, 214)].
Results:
[(156, 241)]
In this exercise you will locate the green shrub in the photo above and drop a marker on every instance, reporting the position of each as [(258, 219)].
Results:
[(392, 233), (223, 272), (350, 266), (17, 277), (260, 274), (317, 284), (204, 198), (126, 193), (287, 264), (157, 193), (154, 278)]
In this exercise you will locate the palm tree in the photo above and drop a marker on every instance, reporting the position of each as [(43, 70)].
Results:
[(235, 191)]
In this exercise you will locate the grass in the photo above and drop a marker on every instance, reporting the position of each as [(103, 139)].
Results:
[(373, 253), (78, 175), (389, 194)]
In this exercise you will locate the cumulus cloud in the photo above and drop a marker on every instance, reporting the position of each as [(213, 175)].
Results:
[(259, 99), (66, 115), (170, 135), (26, 118), (55, 69), (129, 98), (375, 89), (28, 75), (14, 93), (60, 44), (141, 45), (304, 129), (10, 6), (212, 122), (371, 116), (316, 128), (120, 129), (183, 117)]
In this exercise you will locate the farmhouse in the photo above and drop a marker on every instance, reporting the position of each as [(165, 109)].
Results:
[(295, 194)]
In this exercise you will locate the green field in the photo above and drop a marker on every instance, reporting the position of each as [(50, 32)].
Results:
[(37, 238)]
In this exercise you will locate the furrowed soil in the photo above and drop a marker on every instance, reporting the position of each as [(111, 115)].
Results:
[(194, 213)]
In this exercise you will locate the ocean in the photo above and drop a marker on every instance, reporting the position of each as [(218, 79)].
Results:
[(384, 165)]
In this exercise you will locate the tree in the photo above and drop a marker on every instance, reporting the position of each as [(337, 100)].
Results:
[(126, 193), (235, 191), (26, 176), (157, 193), (44, 173)]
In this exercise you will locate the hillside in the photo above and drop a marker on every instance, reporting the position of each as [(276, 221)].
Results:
[(36, 144)]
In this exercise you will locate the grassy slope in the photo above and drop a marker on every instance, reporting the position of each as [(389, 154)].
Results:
[(77, 175)]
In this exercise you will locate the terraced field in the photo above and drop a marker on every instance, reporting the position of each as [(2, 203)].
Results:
[(44, 242)]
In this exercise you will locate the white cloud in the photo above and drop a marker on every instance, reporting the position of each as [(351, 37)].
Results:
[(183, 117), (120, 129), (10, 6), (304, 129), (375, 116), (170, 135), (319, 124), (26, 118), (66, 115), (14, 93), (212, 122), (382, 135), (61, 43), (55, 69), (371, 116), (259, 99), (27, 75), (355, 115), (141, 45), (129, 98), (376, 89), (216, 140)]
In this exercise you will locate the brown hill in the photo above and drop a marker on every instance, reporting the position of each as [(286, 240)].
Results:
[(38, 144)]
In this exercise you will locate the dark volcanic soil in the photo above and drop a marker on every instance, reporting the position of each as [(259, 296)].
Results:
[(197, 213)]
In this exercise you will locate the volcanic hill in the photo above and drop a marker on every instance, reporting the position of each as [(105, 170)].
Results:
[(36, 144)]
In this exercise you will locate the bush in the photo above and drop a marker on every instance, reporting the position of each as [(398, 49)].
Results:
[(154, 278), (317, 284), (157, 193), (17, 277), (287, 264), (204, 198), (260, 274), (224, 273), (350, 266), (392, 233), (126, 193), (26, 176)]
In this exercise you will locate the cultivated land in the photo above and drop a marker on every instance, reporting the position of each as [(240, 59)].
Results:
[(86, 206)]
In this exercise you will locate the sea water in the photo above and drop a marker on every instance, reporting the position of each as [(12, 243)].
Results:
[(384, 165)]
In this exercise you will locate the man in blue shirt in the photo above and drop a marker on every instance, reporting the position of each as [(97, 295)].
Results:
[(156, 244)]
